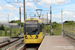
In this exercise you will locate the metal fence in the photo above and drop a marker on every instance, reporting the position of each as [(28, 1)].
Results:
[(70, 31), (11, 33)]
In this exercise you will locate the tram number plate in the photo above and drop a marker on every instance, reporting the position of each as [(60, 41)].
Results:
[(31, 38)]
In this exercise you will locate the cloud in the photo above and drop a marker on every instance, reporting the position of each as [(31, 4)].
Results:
[(4, 15), (16, 18), (66, 7), (18, 4), (1, 8), (31, 5), (11, 7), (67, 15), (56, 2), (22, 19)]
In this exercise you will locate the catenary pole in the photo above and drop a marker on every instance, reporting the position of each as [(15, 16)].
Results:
[(62, 21), (47, 20), (50, 19), (20, 18), (8, 20), (24, 8)]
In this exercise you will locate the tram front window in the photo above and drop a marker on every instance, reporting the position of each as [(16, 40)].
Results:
[(31, 29)]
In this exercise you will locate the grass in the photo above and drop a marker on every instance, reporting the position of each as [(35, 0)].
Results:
[(56, 31), (14, 32)]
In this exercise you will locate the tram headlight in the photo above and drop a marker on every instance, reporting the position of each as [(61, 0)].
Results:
[(26, 37), (36, 37)]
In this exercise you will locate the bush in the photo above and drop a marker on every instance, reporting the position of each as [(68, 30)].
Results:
[(7, 28), (69, 22), (55, 25)]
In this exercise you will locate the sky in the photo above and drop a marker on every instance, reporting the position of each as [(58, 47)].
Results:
[(11, 8)]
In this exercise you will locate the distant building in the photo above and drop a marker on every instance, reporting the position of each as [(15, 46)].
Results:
[(44, 20), (14, 25)]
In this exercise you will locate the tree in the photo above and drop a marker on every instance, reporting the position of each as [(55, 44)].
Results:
[(2, 27), (43, 25), (22, 24), (13, 21)]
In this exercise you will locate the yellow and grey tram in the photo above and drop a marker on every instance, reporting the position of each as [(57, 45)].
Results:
[(33, 31)]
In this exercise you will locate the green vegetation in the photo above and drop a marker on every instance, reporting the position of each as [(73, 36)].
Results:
[(17, 21), (2, 27), (69, 22), (69, 26), (56, 27), (5, 31)]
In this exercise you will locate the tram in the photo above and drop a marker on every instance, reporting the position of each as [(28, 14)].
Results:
[(33, 31)]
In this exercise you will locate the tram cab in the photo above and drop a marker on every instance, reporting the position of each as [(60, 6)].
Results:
[(33, 31)]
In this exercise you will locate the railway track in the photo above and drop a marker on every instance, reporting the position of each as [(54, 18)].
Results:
[(16, 46), (31, 47), (3, 45), (12, 45)]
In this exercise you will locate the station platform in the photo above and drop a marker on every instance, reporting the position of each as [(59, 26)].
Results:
[(55, 43)]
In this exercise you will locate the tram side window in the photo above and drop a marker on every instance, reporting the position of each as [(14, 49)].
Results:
[(40, 28)]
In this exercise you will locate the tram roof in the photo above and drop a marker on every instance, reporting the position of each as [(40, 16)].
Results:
[(34, 20)]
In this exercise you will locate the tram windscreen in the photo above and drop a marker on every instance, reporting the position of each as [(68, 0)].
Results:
[(31, 28)]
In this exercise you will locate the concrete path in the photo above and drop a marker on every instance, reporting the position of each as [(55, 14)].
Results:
[(21, 35), (2, 39), (55, 43)]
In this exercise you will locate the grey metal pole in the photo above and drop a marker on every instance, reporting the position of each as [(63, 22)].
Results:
[(42, 18), (8, 20), (20, 18), (24, 8), (51, 19), (34, 15), (26, 15), (47, 20), (39, 17), (62, 21)]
